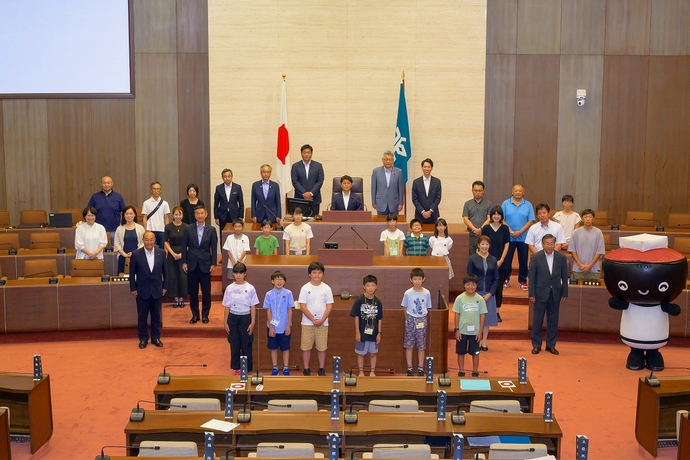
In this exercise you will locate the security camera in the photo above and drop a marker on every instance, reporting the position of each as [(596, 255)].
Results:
[(580, 97)]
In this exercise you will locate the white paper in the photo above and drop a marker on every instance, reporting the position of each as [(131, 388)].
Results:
[(220, 425)]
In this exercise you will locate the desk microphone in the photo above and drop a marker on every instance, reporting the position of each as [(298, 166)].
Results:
[(659, 227), (244, 415), (107, 457), (401, 446), (278, 227), (350, 379), (350, 416), (458, 416), (164, 379), (492, 409), (52, 280), (652, 381), (137, 415), (12, 251), (518, 449), (360, 237), (614, 225), (327, 243)]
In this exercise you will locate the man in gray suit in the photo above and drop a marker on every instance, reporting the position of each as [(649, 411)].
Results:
[(307, 179), (548, 287), (387, 186)]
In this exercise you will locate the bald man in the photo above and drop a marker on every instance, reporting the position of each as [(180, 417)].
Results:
[(109, 205)]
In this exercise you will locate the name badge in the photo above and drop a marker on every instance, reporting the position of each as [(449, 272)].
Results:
[(274, 322), (317, 316), (420, 325), (298, 252), (369, 330), (470, 328)]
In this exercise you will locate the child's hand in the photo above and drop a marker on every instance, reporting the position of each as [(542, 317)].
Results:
[(358, 336), (250, 329), (478, 339), (378, 338), (288, 330), (272, 332), (227, 328), (457, 335)]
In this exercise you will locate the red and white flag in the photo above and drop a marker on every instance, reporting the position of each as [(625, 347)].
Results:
[(283, 151)]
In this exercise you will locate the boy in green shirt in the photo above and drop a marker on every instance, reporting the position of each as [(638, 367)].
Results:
[(266, 244), (469, 309)]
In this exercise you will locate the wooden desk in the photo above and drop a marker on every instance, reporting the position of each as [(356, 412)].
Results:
[(186, 425), (13, 266), (31, 409), (684, 438), (5, 448), (655, 416), (319, 388), (66, 235)]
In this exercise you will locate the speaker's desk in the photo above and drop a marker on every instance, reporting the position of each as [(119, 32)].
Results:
[(655, 416), (31, 409), (315, 426), (319, 388)]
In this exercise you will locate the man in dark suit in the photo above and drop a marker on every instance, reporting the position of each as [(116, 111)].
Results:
[(199, 258), (265, 198), (228, 201), (307, 179), (387, 186), (148, 281), (548, 287), (426, 194), (354, 202)]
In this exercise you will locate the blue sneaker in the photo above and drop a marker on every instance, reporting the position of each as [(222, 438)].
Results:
[(274, 371), (286, 371)]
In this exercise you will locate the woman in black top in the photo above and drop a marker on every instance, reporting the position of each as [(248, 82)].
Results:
[(190, 203), (177, 278), (499, 235)]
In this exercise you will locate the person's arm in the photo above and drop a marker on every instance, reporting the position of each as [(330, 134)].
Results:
[(504, 253), (524, 228), (240, 200), (79, 241), (532, 249), (401, 203), (564, 277), (400, 246), (118, 242), (216, 207), (269, 317), (437, 198), (185, 240), (166, 218), (278, 206), (373, 188), (308, 246), (481, 327), (288, 328), (164, 271), (456, 321), (144, 219), (329, 307), (254, 199), (252, 313), (133, 276), (584, 268), (378, 336), (294, 175), (226, 313), (532, 279), (319, 181), (214, 249), (358, 335), (305, 312)]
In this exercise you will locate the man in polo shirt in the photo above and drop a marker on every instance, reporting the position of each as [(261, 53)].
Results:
[(475, 213), (519, 215), (109, 205)]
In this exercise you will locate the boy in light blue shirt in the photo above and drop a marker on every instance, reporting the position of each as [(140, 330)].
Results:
[(279, 305)]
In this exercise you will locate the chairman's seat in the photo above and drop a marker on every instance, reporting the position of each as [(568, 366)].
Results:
[(357, 188)]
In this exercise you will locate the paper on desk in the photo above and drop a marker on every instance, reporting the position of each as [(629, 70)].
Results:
[(220, 425), (475, 384), (545, 457)]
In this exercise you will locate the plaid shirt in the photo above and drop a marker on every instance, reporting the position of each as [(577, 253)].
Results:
[(416, 246)]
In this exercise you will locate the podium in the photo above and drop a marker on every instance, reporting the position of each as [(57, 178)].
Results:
[(346, 216), (347, 257)]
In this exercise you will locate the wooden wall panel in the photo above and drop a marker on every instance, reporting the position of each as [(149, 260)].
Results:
[(627, 26), (667, 159), (536, 125), (3, 192), (499, 126), (193, 123), (25, 125), (621, 176), (192, 26), (155, 26), (539, 26), (114, 146), (155, 111), (670, 27), (582, 27), (579, 131), (501, 26), (70, 157)]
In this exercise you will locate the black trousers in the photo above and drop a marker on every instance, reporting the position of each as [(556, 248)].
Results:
[(523, 256), (240, 340), (195, 278), (548, 307), (146, 307)]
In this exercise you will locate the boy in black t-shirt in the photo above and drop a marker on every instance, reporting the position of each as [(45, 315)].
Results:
[(368, 313)]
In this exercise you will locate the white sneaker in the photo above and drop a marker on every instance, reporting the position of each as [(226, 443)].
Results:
[(361, 373), (372, 374)]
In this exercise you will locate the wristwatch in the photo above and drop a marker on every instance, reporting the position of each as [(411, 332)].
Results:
[(456, 329)]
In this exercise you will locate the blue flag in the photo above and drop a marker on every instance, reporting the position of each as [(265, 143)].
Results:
[(403, 147)]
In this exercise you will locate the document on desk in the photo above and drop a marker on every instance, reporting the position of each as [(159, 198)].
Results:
[(475, 384), (220, 425)]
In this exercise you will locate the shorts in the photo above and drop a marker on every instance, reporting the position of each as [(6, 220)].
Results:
[(467, 344), (414, 337), (363, 348), (280, 341), (312, 334)]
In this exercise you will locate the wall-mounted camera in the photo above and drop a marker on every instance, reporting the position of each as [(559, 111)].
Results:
[(580, 97)]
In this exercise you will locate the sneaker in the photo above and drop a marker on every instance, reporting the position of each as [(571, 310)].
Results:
[(523, 286), (420, 372), (498, 317), (238, 372), (274, 371), (410, 372), (506, 284), (361, 373), (372, 374), (306, 372), (461, 374), (286, 371), (475, 374), (321, 371)]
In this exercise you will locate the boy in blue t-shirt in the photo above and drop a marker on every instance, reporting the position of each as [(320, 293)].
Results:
[(469, 309), (279, 305), (416, 301)]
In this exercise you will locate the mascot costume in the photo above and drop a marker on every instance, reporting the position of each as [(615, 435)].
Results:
[(644, 276)]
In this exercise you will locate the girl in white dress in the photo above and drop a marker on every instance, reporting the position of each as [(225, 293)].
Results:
[(441, 243)]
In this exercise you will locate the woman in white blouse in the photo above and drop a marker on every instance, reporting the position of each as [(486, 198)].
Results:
[(90, 238)]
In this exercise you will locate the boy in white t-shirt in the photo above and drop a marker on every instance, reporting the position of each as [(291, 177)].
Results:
[(316, 302), (297, 236), (240, 301), (392, 238), (568, 219), (237, 245)]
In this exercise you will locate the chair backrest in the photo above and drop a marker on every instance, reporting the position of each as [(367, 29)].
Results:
[(140, 217), (481, 405), (640, 219), (247, 214), (9, 241), (389, 405), (681, 413), (195, 403), (516, 451), (169, 449), (285, 450), (398, 451), (607, 242), (676, 221), (299, 405), (44, 241), (357, 188), (40, 268), (87, 268), (5, 219), (33, 217), (601, 219), (682, 244), (76, 214)]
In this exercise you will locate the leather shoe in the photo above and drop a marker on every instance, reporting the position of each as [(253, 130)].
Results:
[(536, 350), (205, 320), (143, 344), (157, 343), (194, 320), (552, 350)]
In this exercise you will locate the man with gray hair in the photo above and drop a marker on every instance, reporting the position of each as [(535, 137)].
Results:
[(265, 197), (387, 186)]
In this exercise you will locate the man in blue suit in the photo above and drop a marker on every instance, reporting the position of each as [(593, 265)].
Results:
[(426, 194), (387, 186), (228, 201), (148, 281), (307, 179), (199, 258), (265, 198), (354, 202)]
